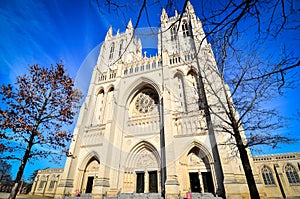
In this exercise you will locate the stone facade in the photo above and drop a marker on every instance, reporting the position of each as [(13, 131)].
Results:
[(46, 182), (279, 174), (142, 127)]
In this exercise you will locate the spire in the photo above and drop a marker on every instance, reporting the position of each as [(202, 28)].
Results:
[(189, 8), (129, 25), (118, 32), (139, 45), (176, 13), (109, 33), (164, 15), (139, 42)]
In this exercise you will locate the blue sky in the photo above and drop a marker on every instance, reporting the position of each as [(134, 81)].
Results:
[(47, 32)]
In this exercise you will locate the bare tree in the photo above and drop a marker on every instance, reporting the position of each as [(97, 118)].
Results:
[(33, 115), (249, 82)]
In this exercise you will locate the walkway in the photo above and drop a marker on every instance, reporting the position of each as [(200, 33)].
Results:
[(23, 196)]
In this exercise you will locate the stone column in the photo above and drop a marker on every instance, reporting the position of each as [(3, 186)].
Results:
[(146, 182), (104, 108), (201, 182), (45, 186), (80, 179), (34, 188), (214, 177), (158, 181)]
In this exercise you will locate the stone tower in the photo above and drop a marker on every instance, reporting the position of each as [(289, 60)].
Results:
[(145, 127)]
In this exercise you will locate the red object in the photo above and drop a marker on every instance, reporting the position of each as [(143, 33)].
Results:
[(188, 195), (77, 192)]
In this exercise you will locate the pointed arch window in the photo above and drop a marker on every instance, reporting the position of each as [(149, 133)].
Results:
[(185, 29), (180, 92), (267, 175), (194, 95), (173, 33), (291, 174), (120, 48), (112, 49), (98, 107)]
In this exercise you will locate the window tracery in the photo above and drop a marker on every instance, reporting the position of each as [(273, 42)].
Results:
[(173, 33), (267, 175), (112, 49), (291, 174), (185, 29), (120, 48), (146, 101)]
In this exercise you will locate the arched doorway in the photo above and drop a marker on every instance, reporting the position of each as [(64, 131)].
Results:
[(142, 169), (90, 172), (199, 175)]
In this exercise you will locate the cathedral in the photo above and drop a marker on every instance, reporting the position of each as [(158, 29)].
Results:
[(143, 129)]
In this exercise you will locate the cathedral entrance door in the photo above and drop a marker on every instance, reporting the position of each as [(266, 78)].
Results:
[(89, 185), (195, 182), (153, 182), (207, 182), (140, 182)]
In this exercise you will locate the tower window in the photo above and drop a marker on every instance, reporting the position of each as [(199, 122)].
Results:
[(173, 33), (120, 49), (185, 29), (112, 49)]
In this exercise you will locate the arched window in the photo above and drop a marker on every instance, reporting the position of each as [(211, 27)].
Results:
[(112, 49), (185, 29), (173, 33), (267, 175), (98, 107), (291, 174), (120, 49), (192, 96), (145, 103), (180, 92)]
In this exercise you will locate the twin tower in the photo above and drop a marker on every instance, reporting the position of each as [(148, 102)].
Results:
[(145, 128)]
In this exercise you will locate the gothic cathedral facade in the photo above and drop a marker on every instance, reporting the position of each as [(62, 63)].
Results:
[(144, 127)]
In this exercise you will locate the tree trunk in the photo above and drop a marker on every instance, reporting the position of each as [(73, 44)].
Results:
[(242, 149), (17, 181), (246, 165), (17, 184)]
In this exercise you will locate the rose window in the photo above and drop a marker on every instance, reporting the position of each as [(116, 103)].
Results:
[(146, 101)]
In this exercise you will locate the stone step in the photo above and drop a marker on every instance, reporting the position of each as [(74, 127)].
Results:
[(137, 196), (204, 196), (147, 196), (82, 196)]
